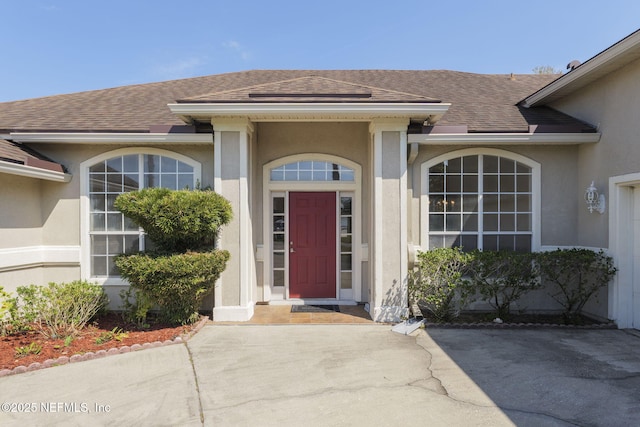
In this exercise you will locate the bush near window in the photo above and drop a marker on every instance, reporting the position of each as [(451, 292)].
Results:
[(176, 283), (446, 279), (575, 275), (177, 220), (56, 310), (501, 278), (436, 283), (183, 225)]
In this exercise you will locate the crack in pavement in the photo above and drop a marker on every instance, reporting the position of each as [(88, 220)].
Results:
[(444, 391), (195, 377), (321, 392)]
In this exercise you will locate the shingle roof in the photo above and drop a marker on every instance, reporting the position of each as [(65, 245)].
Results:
[(19, 154), (485, 103), (309, 89)]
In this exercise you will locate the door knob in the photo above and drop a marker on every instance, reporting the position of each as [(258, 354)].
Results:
[(291, 247)]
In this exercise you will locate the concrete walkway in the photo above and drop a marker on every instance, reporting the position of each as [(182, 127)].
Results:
[(343, 375)]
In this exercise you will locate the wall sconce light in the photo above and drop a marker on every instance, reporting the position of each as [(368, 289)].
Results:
[(595, 201)]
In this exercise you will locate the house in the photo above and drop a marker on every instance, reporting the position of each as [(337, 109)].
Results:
[(336, 177)]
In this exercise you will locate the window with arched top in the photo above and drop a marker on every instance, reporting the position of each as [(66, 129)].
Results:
[(312, 171), (110, 232), (480, 200)]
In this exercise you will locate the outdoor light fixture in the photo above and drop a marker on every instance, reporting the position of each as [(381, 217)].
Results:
[(595, 201)]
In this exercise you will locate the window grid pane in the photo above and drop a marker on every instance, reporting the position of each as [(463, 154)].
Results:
[(505, 202), (346, 246), (110, 232), (312, 171), (279, 245)]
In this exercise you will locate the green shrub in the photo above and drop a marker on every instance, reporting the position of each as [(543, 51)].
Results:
[(60, 309), (184, 226), (136, 311), (436, 282), (575, 276), (17, 314), (501, 278), (6, 308), (177, 220), (176, 283)]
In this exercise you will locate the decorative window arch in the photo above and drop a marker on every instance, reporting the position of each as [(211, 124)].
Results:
[(485, 199), (105, 231), (312, 170)]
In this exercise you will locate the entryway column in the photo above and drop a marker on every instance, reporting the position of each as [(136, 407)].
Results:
[(233, 295), (389, 266)]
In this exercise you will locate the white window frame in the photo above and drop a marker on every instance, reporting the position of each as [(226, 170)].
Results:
[(85, 207), (535, 189)]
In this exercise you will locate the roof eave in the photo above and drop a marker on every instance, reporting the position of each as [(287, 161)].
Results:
[(505, 138), (33, 172), (190, 112), (614, 57), (112, 138)]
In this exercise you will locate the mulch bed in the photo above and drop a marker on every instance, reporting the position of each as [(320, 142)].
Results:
[(84, 345)]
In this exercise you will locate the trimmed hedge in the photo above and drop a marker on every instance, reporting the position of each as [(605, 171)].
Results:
[(436, 282), (446, 279), (177, 220), (184, 226), (575, 275), (175, 283)]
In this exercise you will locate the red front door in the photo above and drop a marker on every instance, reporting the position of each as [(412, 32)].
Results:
[(312, 245)]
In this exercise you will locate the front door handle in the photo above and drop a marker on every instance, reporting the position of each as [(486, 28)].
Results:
[(291, 247)]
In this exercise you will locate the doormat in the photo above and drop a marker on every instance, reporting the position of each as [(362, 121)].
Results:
[(315, 308)]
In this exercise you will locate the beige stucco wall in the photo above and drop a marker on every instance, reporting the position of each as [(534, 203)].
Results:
[(559, 186), (611, 104), (20, 211), (230, 235), (393, 280)]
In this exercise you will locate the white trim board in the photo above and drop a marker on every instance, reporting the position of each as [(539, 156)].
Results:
[(32, 172), (113, 138), (35, 256), (504, 138), (310, 111), (233, 313)]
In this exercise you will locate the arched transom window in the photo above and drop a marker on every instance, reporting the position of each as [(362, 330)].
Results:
[(480, 201), (111, 233), (312, 171)]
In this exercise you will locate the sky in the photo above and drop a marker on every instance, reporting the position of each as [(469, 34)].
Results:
[(52, 47)]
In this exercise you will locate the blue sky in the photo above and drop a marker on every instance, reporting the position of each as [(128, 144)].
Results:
[(61, 46)]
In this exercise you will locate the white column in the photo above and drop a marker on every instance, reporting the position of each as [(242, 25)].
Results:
[(389, 293), (233, 291)]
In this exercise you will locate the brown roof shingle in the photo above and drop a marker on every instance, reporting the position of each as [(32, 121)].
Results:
[(20, 154), (483, 102)]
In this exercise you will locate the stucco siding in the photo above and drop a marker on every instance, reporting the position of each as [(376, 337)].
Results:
[(391, 291), (20, 211), (230, 235), (611, 104)]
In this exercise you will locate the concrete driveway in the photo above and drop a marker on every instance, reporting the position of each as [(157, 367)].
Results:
[(349, 375)]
